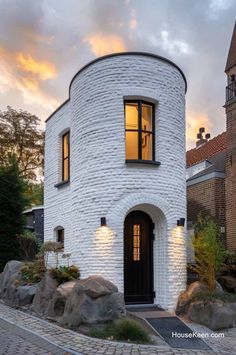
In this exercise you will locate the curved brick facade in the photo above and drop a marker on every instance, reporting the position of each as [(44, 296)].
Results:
[(103, 185)]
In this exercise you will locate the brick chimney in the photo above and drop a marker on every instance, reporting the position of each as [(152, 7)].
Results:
[(201, 139), (230, 182)]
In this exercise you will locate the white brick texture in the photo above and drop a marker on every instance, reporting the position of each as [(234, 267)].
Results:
[(103, 185)]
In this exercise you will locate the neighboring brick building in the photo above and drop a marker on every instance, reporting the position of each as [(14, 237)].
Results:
[(211, 166), (230, 108), (115, 151)]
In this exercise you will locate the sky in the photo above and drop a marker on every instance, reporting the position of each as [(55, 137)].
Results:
[(43, 43)]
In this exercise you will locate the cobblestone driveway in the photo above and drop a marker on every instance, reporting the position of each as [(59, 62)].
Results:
[(14, 340), (75, 343)]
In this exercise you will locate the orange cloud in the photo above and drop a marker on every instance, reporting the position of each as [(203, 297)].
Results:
[(27, 82), (194, 122), (30, 83), (44, 70), (105, 44)]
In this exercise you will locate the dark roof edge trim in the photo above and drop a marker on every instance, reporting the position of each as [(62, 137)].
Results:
[(152, 55), (65, 102)]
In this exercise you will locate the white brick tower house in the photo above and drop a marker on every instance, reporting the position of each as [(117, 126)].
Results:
[(115, 175)]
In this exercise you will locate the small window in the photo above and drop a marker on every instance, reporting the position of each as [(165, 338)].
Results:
[(139, 130), (66, 157), (60, 237)]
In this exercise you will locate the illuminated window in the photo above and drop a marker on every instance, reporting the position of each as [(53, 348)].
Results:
[(136, 242), (60, 237), (139, 130), (66, 156)]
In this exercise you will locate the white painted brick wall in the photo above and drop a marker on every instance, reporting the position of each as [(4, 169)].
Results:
[(102, 185)]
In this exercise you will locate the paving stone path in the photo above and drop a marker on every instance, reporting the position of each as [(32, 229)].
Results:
[(52, 339)]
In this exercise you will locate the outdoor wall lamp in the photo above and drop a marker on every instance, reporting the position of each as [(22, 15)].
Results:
[(103, 221), (181, 222)]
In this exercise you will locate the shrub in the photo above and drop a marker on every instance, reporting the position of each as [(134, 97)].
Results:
[(51, 247), (32, 272), (213, 296), (29, 245), (230, 258), (124, 329), (209, 253), (65, 273)]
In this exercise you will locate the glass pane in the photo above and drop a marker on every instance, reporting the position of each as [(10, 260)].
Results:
[(136, 242), (66, 145), (65, 170), (147, 146), (131, 116), (131, 145), (146, 117)]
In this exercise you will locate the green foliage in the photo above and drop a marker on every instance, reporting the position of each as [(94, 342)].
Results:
[(230, 258), (32, 272), (213, 296), (124, 330), (209, 252), (29, 245), (51, 247), (65, 273), (20, 138), (12, 204), (34, 193)]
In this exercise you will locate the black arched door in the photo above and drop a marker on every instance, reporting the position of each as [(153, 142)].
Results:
[(138, 258)]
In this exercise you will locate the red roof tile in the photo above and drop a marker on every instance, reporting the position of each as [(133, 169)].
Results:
[(213, 146)]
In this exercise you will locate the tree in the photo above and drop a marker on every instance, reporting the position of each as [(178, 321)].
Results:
[(21, 138), (12, 204), (34, 193), (209, 252)]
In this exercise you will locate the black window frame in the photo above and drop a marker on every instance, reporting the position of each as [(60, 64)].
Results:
[(141, 131), (64, 158)]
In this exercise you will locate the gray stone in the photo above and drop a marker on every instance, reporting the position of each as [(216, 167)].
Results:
[(96, 286), (215, 315), (57, 304), (93, 300), (9, 277), (228, 282), (185, 297), (45, 290), (24, 295)]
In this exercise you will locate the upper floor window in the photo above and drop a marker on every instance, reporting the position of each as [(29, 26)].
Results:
[(139, 130), (66, 156)]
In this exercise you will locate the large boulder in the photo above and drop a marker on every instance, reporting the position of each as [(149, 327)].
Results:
[(228, 282), (185, 297), (215, 315), (24, 295), (9, 279), (58, 301), (93, 300), (45, 290)]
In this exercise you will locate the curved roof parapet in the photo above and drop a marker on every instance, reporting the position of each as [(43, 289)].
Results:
[(147, 54)]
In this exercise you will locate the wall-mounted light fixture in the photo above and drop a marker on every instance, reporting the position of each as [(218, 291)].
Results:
[(181, 222), (103, 221)]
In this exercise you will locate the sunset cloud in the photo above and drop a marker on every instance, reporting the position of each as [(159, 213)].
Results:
[(44, 70), (45, 42), (105, 44)]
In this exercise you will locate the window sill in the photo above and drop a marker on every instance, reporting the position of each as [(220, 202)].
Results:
[(139, 161), (62, 183)]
